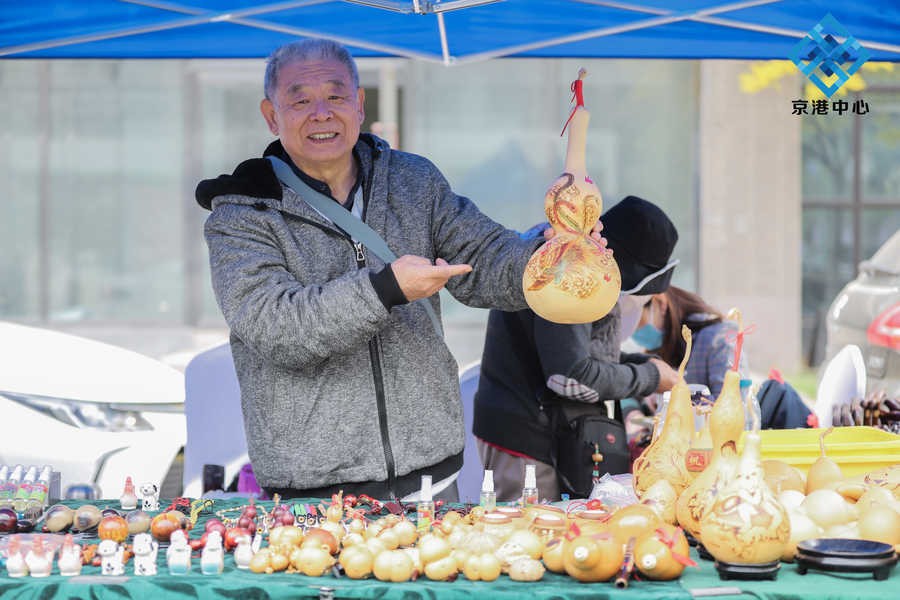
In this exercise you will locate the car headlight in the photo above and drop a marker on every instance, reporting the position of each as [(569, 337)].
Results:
[(85, 415)]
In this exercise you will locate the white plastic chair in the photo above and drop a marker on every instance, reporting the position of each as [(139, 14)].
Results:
[(472, 472), (843, 379), (215, 423)]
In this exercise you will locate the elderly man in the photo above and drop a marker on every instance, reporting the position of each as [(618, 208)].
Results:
[(345, 382)]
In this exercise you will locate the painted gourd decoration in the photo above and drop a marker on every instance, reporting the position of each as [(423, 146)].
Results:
[(664, 457), (572, 278), (746, 524), (726, 423)]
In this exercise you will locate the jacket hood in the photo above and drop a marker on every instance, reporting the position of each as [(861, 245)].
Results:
[(255, 178)]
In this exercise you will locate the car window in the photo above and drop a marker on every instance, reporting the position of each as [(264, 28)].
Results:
[(888, 256)]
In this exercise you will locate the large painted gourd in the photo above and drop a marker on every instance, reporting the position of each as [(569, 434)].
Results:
[(726, 422), (572, 278), (664, 457), (746, 524)]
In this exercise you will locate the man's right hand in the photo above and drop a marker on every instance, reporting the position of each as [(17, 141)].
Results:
[(418, 278), (668, 376)]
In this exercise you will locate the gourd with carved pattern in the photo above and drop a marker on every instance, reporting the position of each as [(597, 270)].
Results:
[(572, 278)]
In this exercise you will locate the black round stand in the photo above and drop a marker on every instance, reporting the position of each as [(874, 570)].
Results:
[(846, 556), (760, 571)]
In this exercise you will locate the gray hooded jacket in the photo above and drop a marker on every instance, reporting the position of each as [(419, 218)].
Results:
[(334, 387)]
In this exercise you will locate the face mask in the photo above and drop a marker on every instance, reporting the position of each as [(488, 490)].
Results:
[(648, 337), (630, 308)]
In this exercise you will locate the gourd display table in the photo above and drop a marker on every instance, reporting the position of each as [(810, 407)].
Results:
[(244, 585)]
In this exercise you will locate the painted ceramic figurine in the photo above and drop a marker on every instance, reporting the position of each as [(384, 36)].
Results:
[(150, 496), (111, 557), (212, 559), (39, 561), (128, 500), (69, 558), (145, 551), (243, 554), (15, 562), (178, 556)]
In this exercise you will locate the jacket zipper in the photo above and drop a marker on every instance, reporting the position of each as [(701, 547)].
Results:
[(374, 353), (377, 375)]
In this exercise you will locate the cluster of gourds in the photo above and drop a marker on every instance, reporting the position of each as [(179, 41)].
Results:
[(522, 543), (748, 511)]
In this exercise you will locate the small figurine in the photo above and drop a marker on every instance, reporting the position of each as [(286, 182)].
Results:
[(243, 553), (69, 558), (212, 559), (150, 495), (128, 500), (39, 561), (178, 556), (111, 558), (145, 551), (15, 562)]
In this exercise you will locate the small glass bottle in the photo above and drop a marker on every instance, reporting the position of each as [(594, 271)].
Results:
[(37, 497), (425, 507), (10, 486), (488, 495), (530, 491), (20, 500)]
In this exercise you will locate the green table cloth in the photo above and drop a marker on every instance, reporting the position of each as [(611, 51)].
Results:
[(244, 585)]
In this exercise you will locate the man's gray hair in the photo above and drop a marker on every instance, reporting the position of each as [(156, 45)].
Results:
[(308, 49)]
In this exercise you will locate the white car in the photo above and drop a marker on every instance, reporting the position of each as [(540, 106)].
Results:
[(95, 412)]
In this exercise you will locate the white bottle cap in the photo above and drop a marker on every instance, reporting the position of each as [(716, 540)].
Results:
[(530, 477), (488, 484), (425, 494)]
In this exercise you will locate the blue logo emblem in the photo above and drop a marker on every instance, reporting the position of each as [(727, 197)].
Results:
[(820, 52)]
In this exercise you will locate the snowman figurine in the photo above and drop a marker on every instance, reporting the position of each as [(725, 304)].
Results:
[(178, 556), (145, 551), (212, 559), (69, 558), (243, 553)]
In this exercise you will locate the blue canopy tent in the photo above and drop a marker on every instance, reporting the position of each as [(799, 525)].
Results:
[(450, 32)]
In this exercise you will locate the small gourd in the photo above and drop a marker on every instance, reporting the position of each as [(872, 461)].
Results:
[(664, 457), (662, 554), (593, 557), (572, 278), (824, 473)]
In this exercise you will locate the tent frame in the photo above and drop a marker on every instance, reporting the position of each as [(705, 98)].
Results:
[(436, 8)]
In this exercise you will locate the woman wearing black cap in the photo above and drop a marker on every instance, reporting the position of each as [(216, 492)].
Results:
[(536, 376)]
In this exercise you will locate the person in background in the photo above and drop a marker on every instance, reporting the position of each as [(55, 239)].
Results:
[(530, 365), (346, 382), (713, 338)]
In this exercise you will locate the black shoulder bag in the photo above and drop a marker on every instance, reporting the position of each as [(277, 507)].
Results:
[(582, 431)]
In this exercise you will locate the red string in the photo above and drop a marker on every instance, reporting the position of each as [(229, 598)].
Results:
[(670, 542), (577, 88), (738, 347)]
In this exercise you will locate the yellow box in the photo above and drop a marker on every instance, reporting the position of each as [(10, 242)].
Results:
[(857, 450)]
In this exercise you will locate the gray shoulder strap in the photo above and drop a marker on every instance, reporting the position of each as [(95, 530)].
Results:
[(346, 221)]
